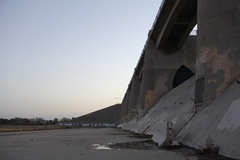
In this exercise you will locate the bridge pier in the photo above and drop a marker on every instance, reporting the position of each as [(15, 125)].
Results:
[(218, 47), (159, 70), (134, 96), (125, 106)]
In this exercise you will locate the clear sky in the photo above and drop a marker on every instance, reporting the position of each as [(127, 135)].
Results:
[(69, 57)]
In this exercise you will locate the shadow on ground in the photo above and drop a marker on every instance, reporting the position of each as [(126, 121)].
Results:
[(150, 145)]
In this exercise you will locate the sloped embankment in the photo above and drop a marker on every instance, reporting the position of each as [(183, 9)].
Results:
[(219, 122)]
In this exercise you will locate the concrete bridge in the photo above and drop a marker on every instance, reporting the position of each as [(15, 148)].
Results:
[(164, 53), (174, 21), (190, 81)]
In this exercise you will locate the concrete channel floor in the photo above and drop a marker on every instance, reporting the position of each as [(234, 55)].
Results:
[(80, 144)]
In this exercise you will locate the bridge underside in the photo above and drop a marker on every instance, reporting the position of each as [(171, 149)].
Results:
[(174, 23)]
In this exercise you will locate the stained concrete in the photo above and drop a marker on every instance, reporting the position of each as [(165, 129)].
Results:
[(156, 76), (220, 121), (193, 126), (80, 144), (177, 106), (218, 46), (210, 109)]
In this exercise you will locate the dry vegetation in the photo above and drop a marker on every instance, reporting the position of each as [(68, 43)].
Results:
[(17, 128)]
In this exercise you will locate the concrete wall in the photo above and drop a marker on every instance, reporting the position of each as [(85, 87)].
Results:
[(107, 115), (218, 46), (156, 76), (177, 106), (220, 120), (207, 105), (159, 70)]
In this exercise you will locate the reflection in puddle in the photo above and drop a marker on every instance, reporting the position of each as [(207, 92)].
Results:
[(100, 147)]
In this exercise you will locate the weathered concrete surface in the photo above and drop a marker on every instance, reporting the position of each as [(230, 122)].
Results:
[(220, 121), (217, 67), (159, 70), (156, 76), (177, 106), (218, 53), (76, 144)]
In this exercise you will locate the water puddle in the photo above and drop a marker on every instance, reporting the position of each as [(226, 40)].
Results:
[(100, 147)]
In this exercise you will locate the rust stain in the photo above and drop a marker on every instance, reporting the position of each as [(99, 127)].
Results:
[(217, 62), (159, 89), (150, 98), (211, 81)]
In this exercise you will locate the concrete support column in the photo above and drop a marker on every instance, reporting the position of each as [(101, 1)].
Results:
[(134, 96), (125, 106), (159, 70), (218, 46), (147, 94)]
